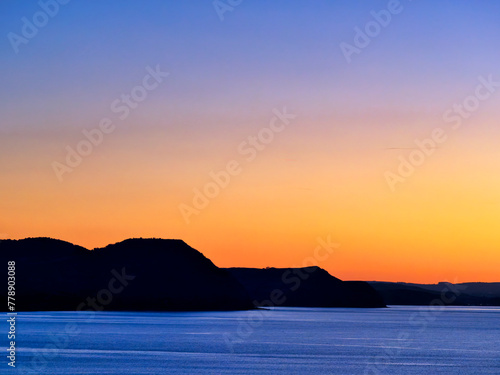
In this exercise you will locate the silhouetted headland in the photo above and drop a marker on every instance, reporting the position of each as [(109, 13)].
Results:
[(161, 275)]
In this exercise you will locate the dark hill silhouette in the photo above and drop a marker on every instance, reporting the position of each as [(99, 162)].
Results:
[(50, 274), (173, 276), (168, 275), (305, 287)]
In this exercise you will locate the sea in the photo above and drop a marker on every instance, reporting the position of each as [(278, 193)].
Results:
[(393, 340)]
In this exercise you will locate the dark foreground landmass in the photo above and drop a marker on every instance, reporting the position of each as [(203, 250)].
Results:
[(462, 294), (136, 274), (169, 275), (160, 275)]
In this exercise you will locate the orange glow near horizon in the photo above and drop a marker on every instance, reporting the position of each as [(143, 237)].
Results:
[(436, 227)]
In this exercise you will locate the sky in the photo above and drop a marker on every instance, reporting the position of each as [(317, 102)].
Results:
[(257, 130)]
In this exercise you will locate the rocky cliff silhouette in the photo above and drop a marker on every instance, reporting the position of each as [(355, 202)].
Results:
[(159, 275), (136, 274)]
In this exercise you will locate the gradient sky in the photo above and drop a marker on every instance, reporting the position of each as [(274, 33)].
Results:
[(322, 176)]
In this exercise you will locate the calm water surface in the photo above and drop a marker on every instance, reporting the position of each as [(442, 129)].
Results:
[(397, 340)]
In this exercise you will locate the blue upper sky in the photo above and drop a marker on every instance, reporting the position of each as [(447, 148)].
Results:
[(262, 52)]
